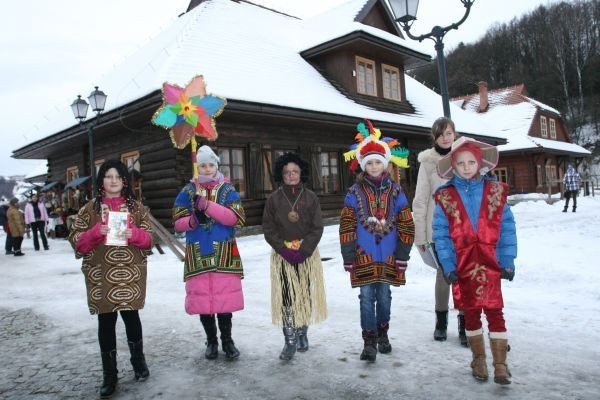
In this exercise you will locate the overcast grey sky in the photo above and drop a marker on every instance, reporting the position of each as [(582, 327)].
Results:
[(54, 50)]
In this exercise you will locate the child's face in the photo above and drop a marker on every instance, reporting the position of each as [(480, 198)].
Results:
[(291, 173), (446, 139), (112, 183), (466, 165), (207, 169), (374, 168)]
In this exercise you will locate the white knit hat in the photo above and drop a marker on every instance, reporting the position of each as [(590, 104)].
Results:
[(206, 155)]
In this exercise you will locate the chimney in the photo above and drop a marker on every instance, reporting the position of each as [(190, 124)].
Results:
[(483, 96)]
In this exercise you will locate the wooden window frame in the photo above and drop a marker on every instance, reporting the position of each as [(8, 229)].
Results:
[(540, 175), (69, 177), (242, 191), (366, 61), (501, 174), (384, 68), (137, 184), (552, 126), (324, 179), (543, 126), (98, 164), (269, 156)]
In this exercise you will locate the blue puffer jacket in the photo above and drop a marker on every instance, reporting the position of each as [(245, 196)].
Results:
[(471, 194)]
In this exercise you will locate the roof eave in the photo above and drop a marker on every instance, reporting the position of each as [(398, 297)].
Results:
[(416, 57), (41, 148)]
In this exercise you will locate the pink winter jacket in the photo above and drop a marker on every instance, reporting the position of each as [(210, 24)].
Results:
[(30, 216), (212, 292)]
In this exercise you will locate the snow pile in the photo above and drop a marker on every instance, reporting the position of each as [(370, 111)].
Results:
[(551, 309)]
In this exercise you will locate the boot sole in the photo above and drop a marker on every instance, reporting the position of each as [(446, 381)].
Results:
[(502, 381)]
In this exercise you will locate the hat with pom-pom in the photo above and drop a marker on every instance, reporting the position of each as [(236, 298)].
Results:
[(372, 146), (206, 155)]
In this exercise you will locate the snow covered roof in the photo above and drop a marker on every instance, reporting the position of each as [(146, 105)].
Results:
[(512, 113), (250, 53)]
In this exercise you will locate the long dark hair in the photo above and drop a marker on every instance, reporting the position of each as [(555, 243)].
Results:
[(126, 192), (286, 158)]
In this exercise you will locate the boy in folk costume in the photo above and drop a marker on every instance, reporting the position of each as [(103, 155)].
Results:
[(376, 234), (209, 211), (475, 238)]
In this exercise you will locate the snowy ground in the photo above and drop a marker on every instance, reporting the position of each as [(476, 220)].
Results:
[(552, 310)]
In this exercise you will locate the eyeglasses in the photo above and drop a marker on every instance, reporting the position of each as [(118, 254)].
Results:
[(113, 178), (292, 172)]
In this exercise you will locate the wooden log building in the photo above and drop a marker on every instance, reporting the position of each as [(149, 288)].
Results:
[(303, 89)]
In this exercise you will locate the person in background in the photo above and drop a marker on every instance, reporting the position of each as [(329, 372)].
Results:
[(8, 245), (475, 237), (36, 217), (16, 226), (293, 226), (376, 234), (115, 276), (572, 182), (209, 212), (443, 134)]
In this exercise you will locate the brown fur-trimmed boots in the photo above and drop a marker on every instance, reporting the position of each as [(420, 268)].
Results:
[(501, 372), (478, 365)]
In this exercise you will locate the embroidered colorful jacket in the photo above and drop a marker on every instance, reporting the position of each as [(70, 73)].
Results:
[(475, 235), (376, 228), (211, 247)]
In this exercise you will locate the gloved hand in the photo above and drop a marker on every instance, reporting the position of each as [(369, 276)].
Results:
[(401, 266), (199, 216), (349, 267), (292, 256), (452, 277), (200, 202), (507, 273)]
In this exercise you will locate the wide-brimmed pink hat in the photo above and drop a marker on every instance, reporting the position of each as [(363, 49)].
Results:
[(489, 158)]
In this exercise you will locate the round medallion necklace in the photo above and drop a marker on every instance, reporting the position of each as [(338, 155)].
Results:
[(293, 215)]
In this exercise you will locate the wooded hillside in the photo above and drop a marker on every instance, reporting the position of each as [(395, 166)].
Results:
[(554, 51)]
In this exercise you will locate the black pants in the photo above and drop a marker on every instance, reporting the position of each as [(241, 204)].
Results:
[(39, 226), (568, 195), (106, 328), (16, 243), (8, 245)]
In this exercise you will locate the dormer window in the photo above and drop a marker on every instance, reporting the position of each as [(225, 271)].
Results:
[(391, 82), (544, 126), (365, 76), (552, 128)]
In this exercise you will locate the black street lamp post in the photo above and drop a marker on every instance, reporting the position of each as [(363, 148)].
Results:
[(79, 107), (406, 12)]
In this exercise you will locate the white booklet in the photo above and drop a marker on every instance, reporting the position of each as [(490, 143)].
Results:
[(118, 222), (429, 256)]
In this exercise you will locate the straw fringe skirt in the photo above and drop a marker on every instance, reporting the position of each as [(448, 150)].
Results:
[(305, 289)]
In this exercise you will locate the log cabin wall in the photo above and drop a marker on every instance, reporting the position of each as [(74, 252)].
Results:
[(259, 136), (258, 142)]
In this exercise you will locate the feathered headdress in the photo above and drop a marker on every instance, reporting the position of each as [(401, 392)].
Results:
[(370, 144)]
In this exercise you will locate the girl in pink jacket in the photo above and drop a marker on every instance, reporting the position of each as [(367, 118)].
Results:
[(36, 216), (209, 211)]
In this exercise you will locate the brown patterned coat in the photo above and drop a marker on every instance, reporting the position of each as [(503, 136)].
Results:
[(115, 276)]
